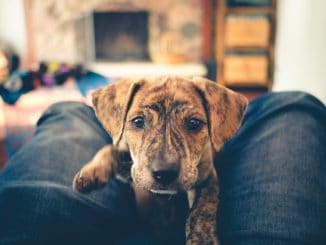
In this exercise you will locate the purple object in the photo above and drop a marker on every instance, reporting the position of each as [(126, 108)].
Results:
[(48, 80)]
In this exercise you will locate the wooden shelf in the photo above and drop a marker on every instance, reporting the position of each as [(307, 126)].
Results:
[(251, 35), (238, 49), (249, 85), (250, 10)]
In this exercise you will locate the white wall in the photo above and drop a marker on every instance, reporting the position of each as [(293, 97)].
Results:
[(12, 24), (300, 58)]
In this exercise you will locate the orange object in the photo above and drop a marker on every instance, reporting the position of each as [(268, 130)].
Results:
[(246, 32), (246, 69)]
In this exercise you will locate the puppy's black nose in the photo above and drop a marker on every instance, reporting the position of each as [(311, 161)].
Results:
[(165, 173), (165, 177)]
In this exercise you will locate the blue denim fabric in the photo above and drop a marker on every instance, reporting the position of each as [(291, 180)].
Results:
[(272, 178), (272, 174)]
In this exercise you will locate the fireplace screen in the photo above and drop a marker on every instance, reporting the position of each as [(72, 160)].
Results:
[(121, 36)]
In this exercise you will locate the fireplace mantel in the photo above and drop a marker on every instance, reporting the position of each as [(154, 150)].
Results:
[(175, 27), (129, 69)]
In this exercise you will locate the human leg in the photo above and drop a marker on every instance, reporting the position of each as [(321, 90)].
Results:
[(37, 203), (266, 198), (272, 174)]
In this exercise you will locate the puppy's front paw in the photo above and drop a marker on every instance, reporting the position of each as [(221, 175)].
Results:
[(92, 176)]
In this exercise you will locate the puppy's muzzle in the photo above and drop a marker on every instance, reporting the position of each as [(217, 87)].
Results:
[(164, 173)]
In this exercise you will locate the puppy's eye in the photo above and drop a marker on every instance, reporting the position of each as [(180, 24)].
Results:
[(194, 124), (138, 122)]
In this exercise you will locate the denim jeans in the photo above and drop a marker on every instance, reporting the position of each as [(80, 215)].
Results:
[(272, 180)]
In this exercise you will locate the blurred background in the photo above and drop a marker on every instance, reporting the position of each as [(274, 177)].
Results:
[(54, 50)]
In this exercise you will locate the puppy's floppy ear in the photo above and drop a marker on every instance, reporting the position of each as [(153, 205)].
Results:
[(112, 103), (225, 110)]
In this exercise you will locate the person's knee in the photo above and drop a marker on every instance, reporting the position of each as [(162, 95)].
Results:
[(67, 107), (273, 163), (297, 98), (294, 104), (301, 108), (65, 110)]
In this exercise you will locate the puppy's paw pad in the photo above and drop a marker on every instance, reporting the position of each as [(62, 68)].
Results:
[(89, 178), (81, 183)]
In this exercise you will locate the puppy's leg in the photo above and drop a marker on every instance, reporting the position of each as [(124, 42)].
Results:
[(97, 172), (201, 222)]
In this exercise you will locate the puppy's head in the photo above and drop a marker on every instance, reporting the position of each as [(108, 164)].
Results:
[(171, 126)]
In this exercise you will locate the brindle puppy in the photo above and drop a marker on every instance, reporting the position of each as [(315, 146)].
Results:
[(165, 132)]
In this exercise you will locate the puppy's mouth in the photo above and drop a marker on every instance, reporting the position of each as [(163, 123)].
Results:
[(156, 185), (161, 189), (163, 192)]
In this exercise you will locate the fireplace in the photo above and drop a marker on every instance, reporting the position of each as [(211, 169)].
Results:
[(166, 32), (121, 36)]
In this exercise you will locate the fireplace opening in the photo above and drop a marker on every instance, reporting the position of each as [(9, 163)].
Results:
[(121, 36)]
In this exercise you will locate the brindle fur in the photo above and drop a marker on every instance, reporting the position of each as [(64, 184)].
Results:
[(165, 103)]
